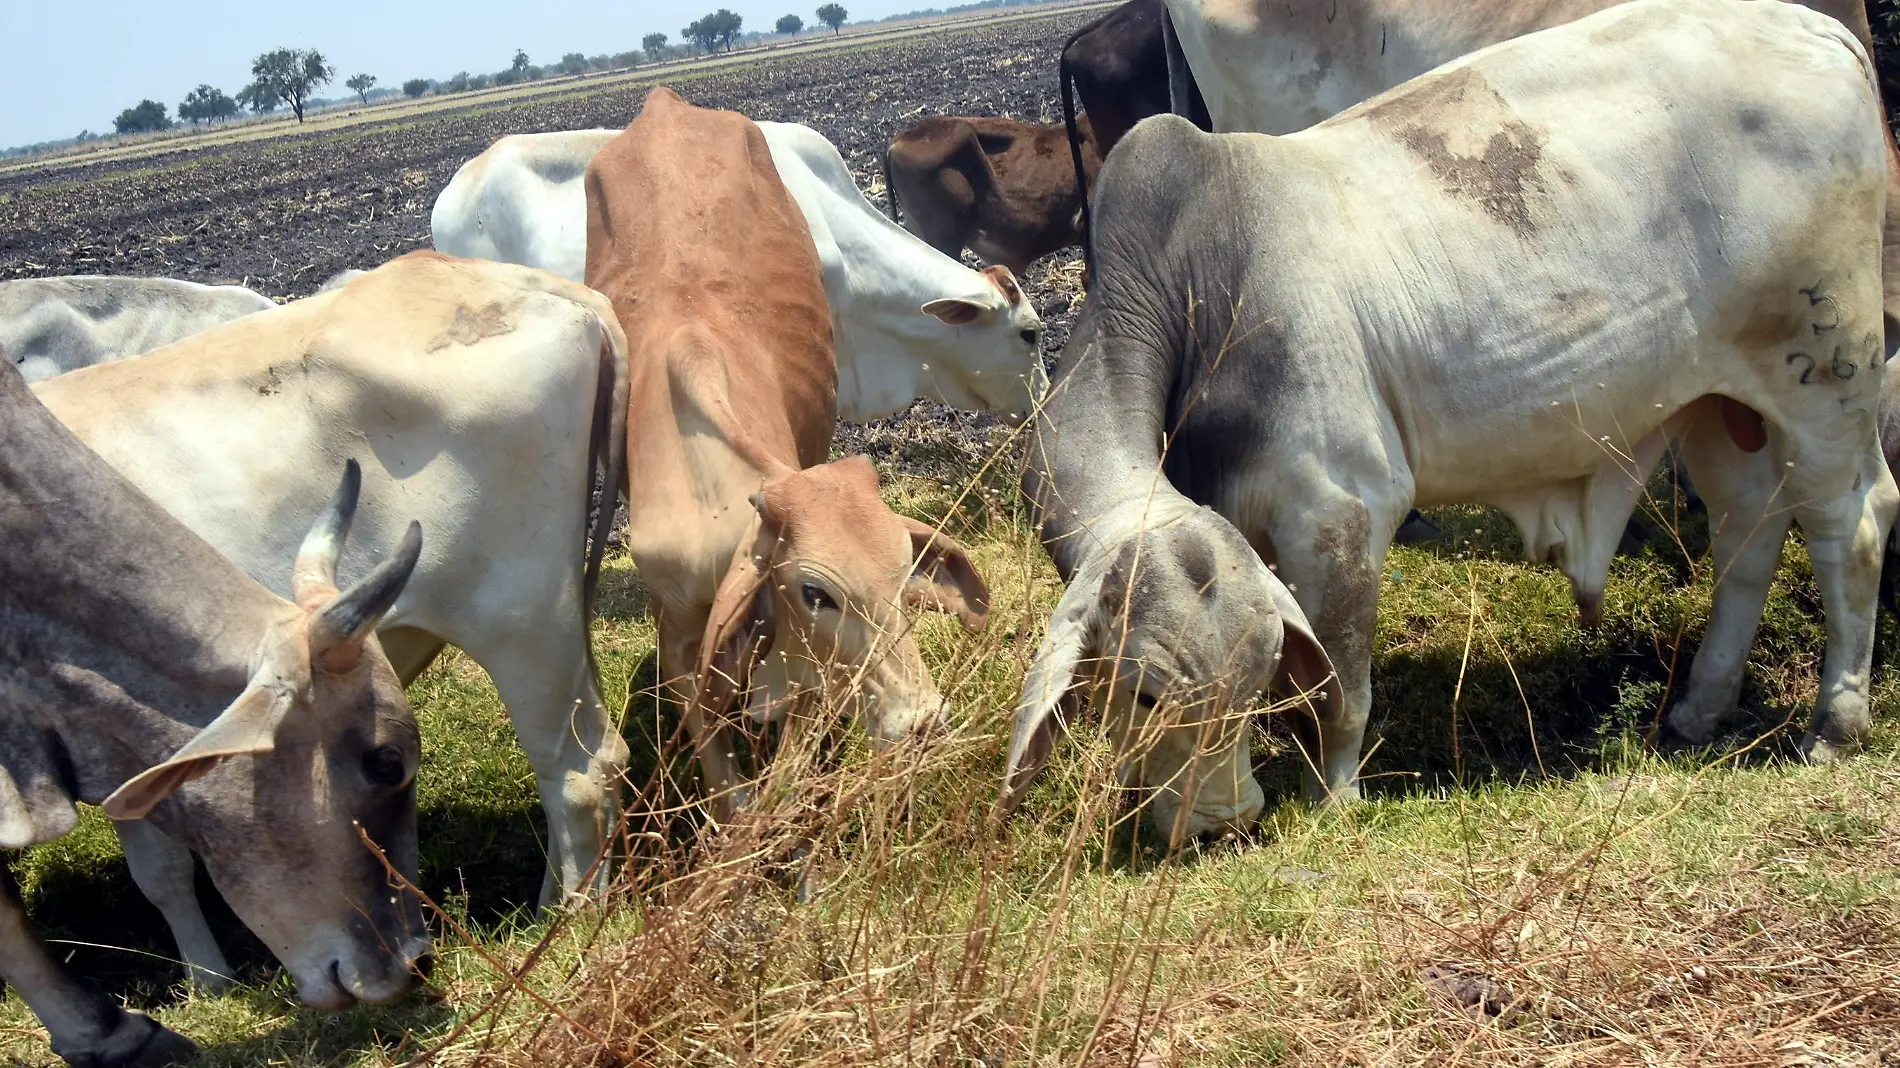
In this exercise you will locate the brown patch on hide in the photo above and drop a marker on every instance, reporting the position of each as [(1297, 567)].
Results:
[(1471, 141)]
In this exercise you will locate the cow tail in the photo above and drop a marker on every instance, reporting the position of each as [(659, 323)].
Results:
[(890, 187), (606, 455), (1067, 78)]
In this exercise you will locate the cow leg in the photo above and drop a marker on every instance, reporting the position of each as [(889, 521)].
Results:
[(166, 875), (712, 742), (1846, 534), (86, 1028), (546, 680), (1747, 528), (1328, 555)]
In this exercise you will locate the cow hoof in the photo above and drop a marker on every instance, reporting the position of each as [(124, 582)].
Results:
[(138, 1042), (1416, 530), (1690, 727), (1818, 750)]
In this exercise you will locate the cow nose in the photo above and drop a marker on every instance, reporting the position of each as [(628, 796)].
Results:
[(424, 965), (930, 726)]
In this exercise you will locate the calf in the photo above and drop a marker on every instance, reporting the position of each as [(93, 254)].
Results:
[(765, 564), (1003, 188), (490, 396), (908, 321), (141, 671), (49, 326), (1481, 287)]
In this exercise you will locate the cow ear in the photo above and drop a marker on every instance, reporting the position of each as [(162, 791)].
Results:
[(738, 633), (954, 311), (247, 728), (943, 577), (1305, 674), (1051, 677), (1004, 280)]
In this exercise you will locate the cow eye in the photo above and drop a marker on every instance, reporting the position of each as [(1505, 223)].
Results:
[(816, 598), (1146, 700), (1029, 336), (384, 766)]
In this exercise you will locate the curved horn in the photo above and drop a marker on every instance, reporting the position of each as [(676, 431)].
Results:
[(343, 623), (1071, 631), (313, 576)]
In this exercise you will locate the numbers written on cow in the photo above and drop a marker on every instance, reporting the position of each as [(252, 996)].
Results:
[(1837, 369)]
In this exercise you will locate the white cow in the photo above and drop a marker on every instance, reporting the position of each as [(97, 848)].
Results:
[(909, 321), (49, 326), (481, 398), (1510, 281)]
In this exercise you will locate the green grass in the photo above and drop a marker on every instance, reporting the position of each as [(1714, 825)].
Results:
[(1720, 906)]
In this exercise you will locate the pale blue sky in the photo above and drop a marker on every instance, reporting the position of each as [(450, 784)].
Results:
[(68, 65)]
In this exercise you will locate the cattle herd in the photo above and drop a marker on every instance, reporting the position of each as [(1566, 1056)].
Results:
[(1499, 253)]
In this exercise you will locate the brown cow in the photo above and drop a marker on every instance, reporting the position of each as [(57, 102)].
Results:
[(765, 564), (1004, 188)]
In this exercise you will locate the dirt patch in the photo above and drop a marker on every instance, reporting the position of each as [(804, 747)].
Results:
[(284, 215)]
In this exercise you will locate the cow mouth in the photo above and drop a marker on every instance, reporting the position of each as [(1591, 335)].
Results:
[(325, 990)]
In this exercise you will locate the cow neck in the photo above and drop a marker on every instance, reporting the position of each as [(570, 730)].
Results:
[(105, 589), (1094, 472)]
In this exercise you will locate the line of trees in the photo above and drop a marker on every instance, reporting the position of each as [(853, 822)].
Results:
[(290, 77)]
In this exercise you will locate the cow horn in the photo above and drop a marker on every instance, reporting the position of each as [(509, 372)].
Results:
[(340, 626), (313, 576)]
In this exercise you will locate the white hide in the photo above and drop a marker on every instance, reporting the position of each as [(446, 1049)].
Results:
[(49, 326), (522, 201)]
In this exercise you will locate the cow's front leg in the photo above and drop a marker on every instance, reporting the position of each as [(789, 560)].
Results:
[(166, 874), (1326, 551), (86, 1028), (713, 739)]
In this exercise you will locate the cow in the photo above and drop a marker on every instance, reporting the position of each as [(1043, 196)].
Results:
[(908, 322), (143, 672), (1117, 66), (1003, 188), (1484, 286), (774, 575), (484, 398), (49, 326)]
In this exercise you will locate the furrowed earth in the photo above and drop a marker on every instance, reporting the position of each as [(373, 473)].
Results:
[(1530, 880)]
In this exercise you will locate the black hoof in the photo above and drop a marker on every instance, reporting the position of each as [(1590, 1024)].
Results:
[(1416, 530)]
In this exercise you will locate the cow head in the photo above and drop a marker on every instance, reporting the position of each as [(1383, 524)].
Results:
[(813, 604), (272, 793), (998, 360), (1181, 632)]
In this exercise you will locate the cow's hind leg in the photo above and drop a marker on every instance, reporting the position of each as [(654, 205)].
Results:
[(167, 876), (1748, 521), (546, 680), (86, 1028), (1846, 533)]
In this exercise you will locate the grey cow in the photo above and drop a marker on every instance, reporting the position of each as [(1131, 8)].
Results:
[(1511, 281), (49, 326), (141, 671)]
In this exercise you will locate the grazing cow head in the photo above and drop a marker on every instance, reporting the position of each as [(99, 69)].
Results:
[(1181, 631), (813, 603), (999, 365), (272, 793)]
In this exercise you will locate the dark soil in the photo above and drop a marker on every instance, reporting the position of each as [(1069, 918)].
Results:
[(282, 215)]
